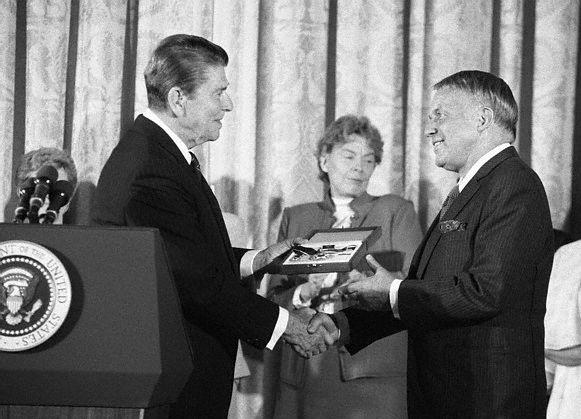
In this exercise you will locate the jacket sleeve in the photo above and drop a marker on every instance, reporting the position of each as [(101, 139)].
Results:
[(282, 287)]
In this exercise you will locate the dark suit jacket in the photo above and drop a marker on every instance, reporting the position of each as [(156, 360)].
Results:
[(474, 300), (147, 182)]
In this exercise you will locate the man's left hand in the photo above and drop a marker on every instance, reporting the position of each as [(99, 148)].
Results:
[(269, 259), (371, 293)]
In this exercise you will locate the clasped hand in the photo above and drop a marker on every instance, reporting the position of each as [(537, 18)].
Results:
[(310, 333)]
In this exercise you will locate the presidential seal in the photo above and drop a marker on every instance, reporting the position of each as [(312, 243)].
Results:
[(35, 295)]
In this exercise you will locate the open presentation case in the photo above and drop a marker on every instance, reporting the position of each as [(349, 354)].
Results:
[(332, 250)]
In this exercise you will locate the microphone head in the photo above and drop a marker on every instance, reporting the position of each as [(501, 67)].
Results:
[(45, 177), (46, 173), (25, 190), (26, 187), (60, 194)]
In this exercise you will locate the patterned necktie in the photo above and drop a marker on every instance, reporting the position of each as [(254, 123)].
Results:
[(449, 200), (195, 164)]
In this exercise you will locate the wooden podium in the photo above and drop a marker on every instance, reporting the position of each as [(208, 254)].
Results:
[(122, 350)]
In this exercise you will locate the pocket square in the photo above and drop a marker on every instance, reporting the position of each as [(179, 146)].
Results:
[(451, 225)]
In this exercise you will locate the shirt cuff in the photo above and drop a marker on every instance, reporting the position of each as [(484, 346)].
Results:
[(297, 302), (393, 290), (246, 263), (279, 327)]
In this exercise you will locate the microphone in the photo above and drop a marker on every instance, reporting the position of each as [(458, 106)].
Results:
[(25, 190), (45, 177), (59, 197)]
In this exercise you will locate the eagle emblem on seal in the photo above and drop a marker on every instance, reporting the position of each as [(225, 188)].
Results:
[(17, 290)]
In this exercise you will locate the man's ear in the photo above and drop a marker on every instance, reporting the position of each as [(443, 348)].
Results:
[(485, 118), (176, 101)]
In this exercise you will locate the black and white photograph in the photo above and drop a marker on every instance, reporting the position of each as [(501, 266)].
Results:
[(182, 181)]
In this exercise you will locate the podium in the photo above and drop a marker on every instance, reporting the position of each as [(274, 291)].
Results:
[(122, 350)]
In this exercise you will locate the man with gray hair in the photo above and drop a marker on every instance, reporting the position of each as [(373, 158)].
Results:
[(474, 298), (152, 179)]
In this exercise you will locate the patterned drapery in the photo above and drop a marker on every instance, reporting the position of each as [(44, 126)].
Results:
[(71, 77)]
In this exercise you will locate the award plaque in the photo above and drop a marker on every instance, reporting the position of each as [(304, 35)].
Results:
[(332, 250)]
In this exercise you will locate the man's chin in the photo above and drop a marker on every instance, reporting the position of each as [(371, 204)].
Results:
[(214, 136), (206, 139), (440, 163)]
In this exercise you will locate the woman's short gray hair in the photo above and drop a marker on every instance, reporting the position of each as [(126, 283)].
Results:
[(338, 132)]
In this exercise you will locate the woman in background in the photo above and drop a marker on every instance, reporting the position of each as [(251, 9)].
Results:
[(371, 383)]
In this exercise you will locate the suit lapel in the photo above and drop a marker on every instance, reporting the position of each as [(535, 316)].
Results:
[(197, 184), (472, 186), (361, 205), (321, 219), (217, 217), (427, 247), (433, 236), (153, 131), (462, 199), (420, 250)]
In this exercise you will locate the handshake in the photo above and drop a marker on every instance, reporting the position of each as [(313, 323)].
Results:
[(310, 333)]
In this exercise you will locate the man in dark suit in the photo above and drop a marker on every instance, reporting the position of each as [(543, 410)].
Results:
[(474, 298), (151, 179)]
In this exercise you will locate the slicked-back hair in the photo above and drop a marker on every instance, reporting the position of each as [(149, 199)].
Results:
[(491, 90), (338, 132), (180, 60), (35, 159)]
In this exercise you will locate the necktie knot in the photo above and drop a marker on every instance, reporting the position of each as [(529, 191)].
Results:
[(449, 200), (194, 163)]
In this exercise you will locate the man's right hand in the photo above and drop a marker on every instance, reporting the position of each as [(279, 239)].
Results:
[(307, 344), (323, 322)]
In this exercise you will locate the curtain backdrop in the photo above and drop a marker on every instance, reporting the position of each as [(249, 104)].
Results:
[(71, 77)]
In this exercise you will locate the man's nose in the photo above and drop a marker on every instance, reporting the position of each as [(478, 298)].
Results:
[(430, 130), (227, 104)]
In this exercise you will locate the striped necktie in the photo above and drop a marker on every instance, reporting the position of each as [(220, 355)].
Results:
[(194, 163), (449, 200)]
